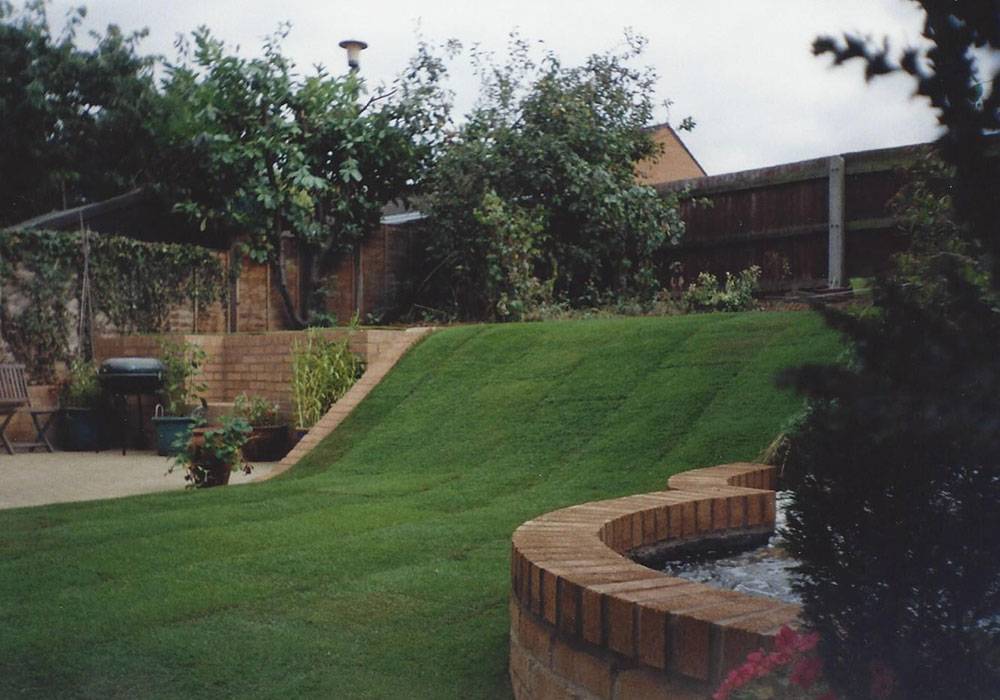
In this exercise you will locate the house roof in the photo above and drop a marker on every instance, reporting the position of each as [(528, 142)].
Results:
[(72, 218), (138, 214), (676, 162)]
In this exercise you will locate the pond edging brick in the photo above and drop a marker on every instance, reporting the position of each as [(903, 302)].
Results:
[(588, 622)]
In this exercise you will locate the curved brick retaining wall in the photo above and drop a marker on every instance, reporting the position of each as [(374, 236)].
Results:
[(588, 622)]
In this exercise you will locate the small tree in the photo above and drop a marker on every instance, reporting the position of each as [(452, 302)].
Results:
[(894, 467), (256, 149), (537, 191)]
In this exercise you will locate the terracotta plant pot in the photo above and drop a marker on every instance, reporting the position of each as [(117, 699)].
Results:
[(207, 474), (207, 470)]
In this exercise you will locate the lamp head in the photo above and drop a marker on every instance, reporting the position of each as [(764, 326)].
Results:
[(354, 49)]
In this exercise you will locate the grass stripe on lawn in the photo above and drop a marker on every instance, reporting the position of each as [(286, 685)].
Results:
[(378, 566)]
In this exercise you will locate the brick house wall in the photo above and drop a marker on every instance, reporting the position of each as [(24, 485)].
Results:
[(676, 162)]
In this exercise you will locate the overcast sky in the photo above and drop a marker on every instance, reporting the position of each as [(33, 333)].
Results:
[(742, 68)]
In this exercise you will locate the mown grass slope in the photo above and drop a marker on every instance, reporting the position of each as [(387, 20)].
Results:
[(378, 567)]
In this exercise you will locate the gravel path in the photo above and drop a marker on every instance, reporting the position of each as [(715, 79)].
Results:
[(41, 478)]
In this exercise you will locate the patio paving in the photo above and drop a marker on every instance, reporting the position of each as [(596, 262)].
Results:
[(60, 477)]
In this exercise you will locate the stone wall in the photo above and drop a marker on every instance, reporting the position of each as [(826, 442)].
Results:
[(587, 622)]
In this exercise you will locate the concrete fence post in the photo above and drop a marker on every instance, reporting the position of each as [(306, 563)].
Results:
[(835, 265)]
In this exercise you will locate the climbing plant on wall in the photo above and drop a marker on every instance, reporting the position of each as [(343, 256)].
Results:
[(134, 286)]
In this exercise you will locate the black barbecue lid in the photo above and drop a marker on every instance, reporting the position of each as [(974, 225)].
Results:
[(131, 366)]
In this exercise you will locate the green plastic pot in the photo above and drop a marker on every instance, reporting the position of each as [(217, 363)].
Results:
[(172, 432)]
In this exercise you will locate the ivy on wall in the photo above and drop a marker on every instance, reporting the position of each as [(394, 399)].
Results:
[(133, 286)]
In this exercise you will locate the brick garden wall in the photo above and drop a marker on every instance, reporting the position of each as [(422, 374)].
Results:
[(375, 281), (383, 273), (587, 622), (255, 303), (256, 363)]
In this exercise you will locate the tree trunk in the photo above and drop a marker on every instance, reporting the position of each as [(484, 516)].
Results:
[(278, 265)]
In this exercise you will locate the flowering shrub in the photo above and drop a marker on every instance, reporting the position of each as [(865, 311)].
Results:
[(792, 670)]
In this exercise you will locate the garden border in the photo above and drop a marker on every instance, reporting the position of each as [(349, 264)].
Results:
[(588, 622)]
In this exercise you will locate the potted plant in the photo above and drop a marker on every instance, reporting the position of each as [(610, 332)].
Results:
[(210, 455), (322, 371), (181, 391), (269, 437), (79, 400)]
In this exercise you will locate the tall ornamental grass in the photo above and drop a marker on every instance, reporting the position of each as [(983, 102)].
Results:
[(322, 371)]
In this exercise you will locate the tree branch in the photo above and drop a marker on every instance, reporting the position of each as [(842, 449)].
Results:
[(375, 98)]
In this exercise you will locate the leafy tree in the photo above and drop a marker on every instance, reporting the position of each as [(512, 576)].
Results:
[(894, 467), (74, 123), (534, 196), (256, 149)]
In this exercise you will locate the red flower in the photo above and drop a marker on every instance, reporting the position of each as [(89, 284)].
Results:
[(785, 639), (806, 672)]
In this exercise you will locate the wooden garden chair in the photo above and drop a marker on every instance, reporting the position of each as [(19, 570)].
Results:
[(13, 397)]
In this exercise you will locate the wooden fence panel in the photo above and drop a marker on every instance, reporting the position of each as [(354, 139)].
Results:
[(781, 214)]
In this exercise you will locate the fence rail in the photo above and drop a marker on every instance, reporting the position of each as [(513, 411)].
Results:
[(812, 223)]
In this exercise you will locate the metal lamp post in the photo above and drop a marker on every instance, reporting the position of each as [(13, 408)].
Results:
[(354, 47)]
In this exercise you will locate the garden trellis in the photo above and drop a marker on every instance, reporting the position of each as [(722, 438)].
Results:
[(59, 287)]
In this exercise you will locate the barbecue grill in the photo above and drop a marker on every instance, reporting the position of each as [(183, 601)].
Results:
[(121, 377), (131, 375)]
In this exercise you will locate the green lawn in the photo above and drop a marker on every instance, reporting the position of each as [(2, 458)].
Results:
[(378, 567)]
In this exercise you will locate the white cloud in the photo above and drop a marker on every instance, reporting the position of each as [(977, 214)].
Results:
[(744, 70)]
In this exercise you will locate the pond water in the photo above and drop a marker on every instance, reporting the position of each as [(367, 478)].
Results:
[(765, 570)]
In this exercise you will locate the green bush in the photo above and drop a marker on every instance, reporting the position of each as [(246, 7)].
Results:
[(322, 371), (81, 388), (256, 410), (534, 199), (182, 363), (894, 470), (705, 294)]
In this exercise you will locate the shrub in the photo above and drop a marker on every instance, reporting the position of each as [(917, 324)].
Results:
[(81, 388), (322, 371), (896, 507), (255, 410), (534, 197), (182, 363), (737, 294), (515, 236), (894, 471)]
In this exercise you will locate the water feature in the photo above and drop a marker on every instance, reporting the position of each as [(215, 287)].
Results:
[(765, 570)]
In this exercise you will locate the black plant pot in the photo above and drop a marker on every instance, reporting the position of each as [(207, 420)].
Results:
[(81, 429), (267, 443)]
